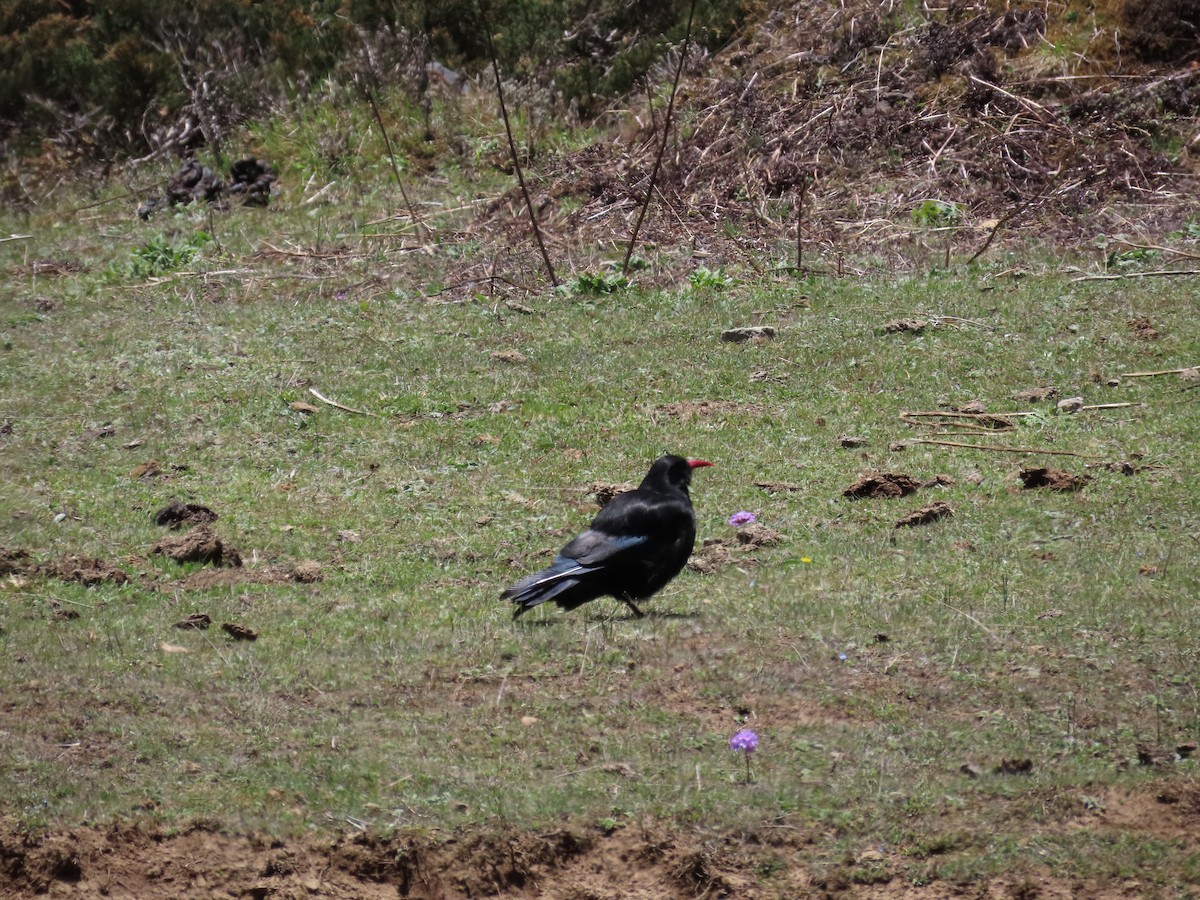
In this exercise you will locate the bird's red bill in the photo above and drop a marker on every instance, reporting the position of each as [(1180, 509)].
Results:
[(698, 463)]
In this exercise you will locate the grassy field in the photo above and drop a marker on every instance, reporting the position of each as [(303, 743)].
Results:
[(1004, 693)]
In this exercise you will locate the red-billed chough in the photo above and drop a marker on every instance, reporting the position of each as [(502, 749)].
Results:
[(634, 546)]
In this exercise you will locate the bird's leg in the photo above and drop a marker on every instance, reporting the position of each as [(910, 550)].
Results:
[(637, 613)]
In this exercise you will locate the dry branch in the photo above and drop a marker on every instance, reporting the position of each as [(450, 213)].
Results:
[(1157, 372), (994, 449), (662, 149), (1155, 274), (337, 405), (512, 147)]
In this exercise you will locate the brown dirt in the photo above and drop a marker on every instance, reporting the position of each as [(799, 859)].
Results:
[(1036, 395), (926, 515), (882, 484), (305, 572), (83, 569), (645, 862), (177, 515), (1143, 329), (716, 554), (239, 632), (901, 326), (604, 491), (687, 410), (1051, 479), (16, 561), (201, 545)]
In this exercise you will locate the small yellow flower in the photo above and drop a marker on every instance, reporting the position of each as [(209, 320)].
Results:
[(806, 559)]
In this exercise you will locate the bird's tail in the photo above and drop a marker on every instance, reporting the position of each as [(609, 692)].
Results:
[(553, 583)]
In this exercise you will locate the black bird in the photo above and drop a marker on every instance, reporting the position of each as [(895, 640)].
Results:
[(634, 546)]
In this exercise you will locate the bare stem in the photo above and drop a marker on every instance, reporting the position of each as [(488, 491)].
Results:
[(662, 147), (512, 148), (392, 157), (802, 190)]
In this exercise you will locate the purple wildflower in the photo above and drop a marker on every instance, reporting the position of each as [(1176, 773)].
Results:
[(738, 519), (745, 741)]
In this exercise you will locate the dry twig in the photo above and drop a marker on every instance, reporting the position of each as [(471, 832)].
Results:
[(1157, 273), (512, 146), (993, 448), (662, 148), (337, 405)]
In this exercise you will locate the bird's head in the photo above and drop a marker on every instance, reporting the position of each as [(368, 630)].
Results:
[(672, 472)]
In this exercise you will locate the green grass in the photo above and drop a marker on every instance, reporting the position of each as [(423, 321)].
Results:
[(873, 662)]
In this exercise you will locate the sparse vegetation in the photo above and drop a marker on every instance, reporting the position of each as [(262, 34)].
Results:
[(391, 422)]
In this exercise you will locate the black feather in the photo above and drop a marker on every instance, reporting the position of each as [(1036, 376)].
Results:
[(634, 546)]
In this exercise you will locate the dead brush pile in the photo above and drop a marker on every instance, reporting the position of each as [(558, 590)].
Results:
[(955, 126)]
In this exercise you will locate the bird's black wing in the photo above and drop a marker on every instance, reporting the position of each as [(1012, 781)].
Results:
[(643, 514)]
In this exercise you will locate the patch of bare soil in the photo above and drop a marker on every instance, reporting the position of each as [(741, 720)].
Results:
[(748, 333), (649, 861), (1051, 479), (1142, 329), (901, 326), (200, 545), (306, 572), (177, 515), (882, 484), (926, 515), (716, 554), (687, 410), (1036, 395), (604, 491), (642, 863), (16, 561), (195, 621), (1169, 811), (239, 632), (83, 569)]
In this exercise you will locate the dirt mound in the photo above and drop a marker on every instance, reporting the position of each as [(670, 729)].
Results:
[(83, 569), (1051, 479), (198, 545), (882, 484), (177, 515), (16, 561), (305, 572), (926, 515), (649, 861), (122, 861)]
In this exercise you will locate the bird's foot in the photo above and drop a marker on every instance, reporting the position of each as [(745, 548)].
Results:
[(637, 613)]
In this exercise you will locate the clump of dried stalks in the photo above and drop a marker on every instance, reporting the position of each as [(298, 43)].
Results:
[(844, 118)]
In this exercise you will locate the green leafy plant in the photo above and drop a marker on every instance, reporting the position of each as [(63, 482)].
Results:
[(936, 214), (704, 279), (595, 284), (159, 255)]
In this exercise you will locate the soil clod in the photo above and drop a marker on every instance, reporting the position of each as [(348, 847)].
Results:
[(882, 484), (1036, 395), (750, 333), (83, 569), (902, 326), (198, 545), (1051, 479), (926, 515), (177, 515)]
